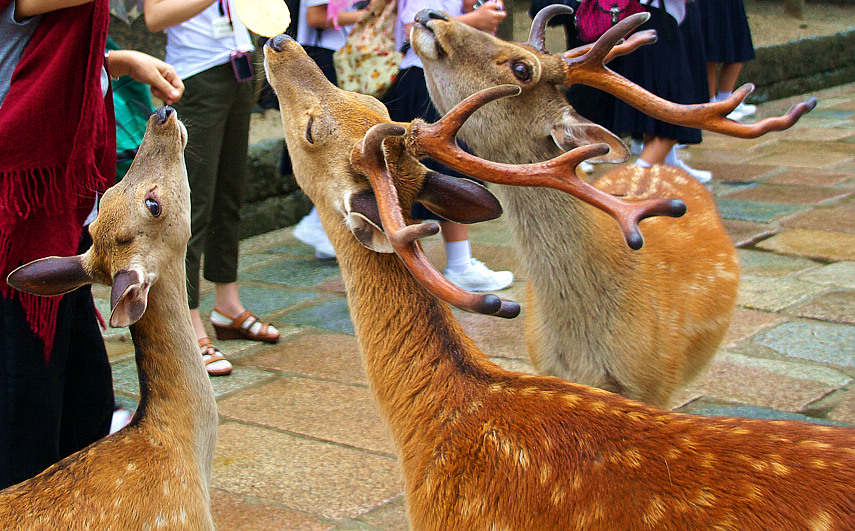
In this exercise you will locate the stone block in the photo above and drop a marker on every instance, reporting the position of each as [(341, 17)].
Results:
[(819, 245), (773, 294), (835, 306), (323, 356), (812, 340), (840, 274)]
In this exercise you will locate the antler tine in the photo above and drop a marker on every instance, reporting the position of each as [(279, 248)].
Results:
[(437, 141), (537, 35), (368, 157), (633, 42), (589, 69)]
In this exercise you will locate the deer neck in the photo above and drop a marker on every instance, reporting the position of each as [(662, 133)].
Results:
[(415, 353), (177, 405)]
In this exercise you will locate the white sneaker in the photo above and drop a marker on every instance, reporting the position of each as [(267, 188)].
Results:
[(636, 147), (121, 418), (312, 233), (746, 109), (478, 277), (586, 167), (702, 176)]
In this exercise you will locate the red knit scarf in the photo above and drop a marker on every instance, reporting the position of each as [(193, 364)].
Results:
[(57, 148)]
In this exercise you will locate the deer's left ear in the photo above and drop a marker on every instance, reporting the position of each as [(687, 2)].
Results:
[(363, 220), (459, 200), (570, 131), (128, 298)]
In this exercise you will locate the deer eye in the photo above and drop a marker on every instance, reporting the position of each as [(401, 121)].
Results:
[(153, 206), (521, 71), (309, 137)]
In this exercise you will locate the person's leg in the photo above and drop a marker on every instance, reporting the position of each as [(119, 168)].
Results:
[(729, 76), (655, 150), (712, 81), (464, 270)]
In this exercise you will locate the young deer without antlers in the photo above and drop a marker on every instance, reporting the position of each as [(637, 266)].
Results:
[(482, 447), (640, 323), (153, 473)]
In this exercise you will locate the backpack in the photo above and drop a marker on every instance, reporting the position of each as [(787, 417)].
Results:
[(368, 62), (595, 17)]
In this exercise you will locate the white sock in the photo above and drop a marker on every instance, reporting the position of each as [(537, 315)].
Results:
[(671, 158), (458, 256), (643, 163), (722, 96)]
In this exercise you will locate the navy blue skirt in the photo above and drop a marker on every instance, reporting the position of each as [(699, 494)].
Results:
[(726, 33), (664, 68)]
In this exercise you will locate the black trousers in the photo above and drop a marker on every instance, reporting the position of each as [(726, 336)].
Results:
[(51, 410)]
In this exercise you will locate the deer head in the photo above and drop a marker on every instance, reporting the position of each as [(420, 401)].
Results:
[(460, 60), (354, 162), (148, 209)]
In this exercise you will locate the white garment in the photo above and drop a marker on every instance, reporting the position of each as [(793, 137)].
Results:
[(191, 46), (331, 38), (675, 8), (407, 10)]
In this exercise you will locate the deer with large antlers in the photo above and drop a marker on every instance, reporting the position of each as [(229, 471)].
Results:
[(154, 473), (482, 447), (640, 323)]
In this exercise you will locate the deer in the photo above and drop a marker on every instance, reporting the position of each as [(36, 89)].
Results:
[(482, 447), (155, 472), (640, 323)]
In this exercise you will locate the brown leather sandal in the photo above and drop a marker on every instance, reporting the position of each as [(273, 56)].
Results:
[(241, 328), (206, 348)]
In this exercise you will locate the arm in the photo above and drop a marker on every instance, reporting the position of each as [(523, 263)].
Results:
[(486, 18), (29, 8), (162, 14), (316, 17), (161, 77)]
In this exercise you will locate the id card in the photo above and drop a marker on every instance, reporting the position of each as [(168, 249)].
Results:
[(222, 27)]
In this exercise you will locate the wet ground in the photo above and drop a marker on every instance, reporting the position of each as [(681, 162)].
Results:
[(301, 446)]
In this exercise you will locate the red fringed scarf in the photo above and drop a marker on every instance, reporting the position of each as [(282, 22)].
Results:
[(57, 148)]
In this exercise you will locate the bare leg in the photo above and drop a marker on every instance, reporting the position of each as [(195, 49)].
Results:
[(454, 232), (656, 149), (729, 75), (712, 70)]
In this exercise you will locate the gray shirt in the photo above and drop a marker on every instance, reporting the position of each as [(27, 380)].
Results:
[(14, 37)]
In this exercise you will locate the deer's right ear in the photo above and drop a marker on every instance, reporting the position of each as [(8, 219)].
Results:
[(363, 220), (128, 298), (53, 275), (571, 131)]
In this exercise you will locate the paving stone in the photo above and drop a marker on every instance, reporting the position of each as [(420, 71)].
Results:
[(834, 219), (775, 384), (788, 195), (708, 409), (809, 146), (750, 211), (760, 263), (801, 160), (837, 274), (810, 177), (845, 409), (812, 340), (807, 133), (293, 404), (390, 516), (773, 294), (331, 315), (325, 356), (701, 156), (747, 232), (834, 114), (321, 479), (746, 323), (296, 273), (232, 512), (732, 172), (836, 306), (263, 300), (820, 245)]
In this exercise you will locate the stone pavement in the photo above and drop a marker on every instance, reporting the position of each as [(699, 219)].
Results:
[(301, 446)]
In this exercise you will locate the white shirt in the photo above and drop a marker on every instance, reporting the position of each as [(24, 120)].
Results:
[(331, 39), (407, 10), (675, 8), (191, 46)]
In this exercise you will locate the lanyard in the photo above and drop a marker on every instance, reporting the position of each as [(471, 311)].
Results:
[(226, 11)]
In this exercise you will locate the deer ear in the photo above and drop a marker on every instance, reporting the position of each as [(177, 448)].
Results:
[(459, 200), (128, 298), (363, 220), (571, 131), (53, 275)]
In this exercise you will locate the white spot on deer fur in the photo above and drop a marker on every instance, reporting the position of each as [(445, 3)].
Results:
[(654, 511), (160, 520), (822, 522), (130, 467)]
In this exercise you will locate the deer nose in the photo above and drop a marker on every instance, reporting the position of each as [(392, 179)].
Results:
[(164, 113), (277, 41), (426, 15)]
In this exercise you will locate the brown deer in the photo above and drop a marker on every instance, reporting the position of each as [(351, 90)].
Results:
[(154, 473), (486, 448), (640, 323)]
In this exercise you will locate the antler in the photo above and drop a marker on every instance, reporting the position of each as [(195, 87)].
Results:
[(437, 141), (368, 157), (589, 69)]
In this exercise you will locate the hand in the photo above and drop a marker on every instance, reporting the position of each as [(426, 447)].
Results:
[(486, 17), (161, 77)]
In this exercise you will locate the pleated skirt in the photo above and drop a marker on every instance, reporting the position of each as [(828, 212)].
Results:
[(727, 36)]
